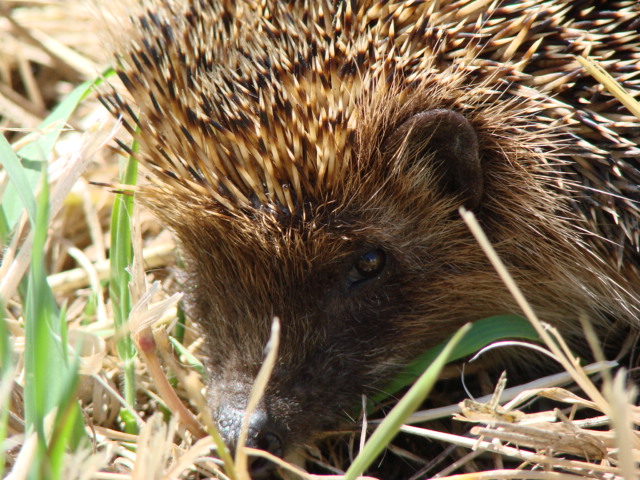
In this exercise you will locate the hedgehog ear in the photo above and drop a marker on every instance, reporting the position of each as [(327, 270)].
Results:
[(448, 138)]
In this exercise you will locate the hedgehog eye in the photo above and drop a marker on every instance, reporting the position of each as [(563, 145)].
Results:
[(367, 266)]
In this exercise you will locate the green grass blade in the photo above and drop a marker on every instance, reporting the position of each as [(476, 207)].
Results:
[(6, 382), (390, 426), (22, 186), (121, 257), (68, 427), (34, 158), (6, 360), (45, 357), (46, 369), (59, 117), (186, 356), (482, 333)]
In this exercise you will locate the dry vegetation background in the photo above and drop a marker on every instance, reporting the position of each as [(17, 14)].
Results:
[(47, 48)]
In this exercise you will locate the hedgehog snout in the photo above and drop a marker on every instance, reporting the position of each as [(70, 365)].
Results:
[(261, 434)]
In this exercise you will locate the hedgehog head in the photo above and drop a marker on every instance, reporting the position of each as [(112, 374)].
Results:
[(311, 163)]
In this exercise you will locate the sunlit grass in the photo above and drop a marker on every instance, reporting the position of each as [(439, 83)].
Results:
[(121, 256), (50, 427), (52, 418)]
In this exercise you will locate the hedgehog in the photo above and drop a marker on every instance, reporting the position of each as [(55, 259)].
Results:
[(311, 159)]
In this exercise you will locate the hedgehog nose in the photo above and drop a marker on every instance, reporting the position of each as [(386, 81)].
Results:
[(259, 435)]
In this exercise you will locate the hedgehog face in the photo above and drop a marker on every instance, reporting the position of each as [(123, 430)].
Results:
[(315, 174), (363, 279), (340, 331), (337, 319), (350, 281)]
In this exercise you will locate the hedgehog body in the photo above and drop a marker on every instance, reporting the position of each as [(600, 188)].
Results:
[(311, 157)]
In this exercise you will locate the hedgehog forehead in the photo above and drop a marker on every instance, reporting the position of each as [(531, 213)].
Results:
[(282, 133), (251, 134), (255, 110), (250, 107)]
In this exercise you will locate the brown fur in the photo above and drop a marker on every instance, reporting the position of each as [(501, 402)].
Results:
[(266, 129)]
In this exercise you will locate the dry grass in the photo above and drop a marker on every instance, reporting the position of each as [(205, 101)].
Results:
[(46, 49)]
